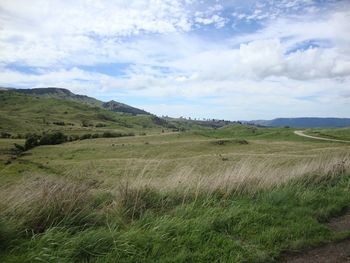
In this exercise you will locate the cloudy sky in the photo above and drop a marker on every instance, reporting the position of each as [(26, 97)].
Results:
[(231, 59)]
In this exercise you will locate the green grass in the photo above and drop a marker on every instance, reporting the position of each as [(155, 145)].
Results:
[(20, 114), (171, 155), (234, 194), (237, 228), (253, 132), (332, 133)]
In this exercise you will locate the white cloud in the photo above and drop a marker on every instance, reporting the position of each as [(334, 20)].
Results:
[(49, 33), (180, 49)]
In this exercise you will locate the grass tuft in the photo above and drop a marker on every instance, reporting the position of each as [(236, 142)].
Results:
[(42, 204)]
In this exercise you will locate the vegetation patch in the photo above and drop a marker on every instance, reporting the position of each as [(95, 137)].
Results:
[(33, 140), (163, 228), (224, 142)]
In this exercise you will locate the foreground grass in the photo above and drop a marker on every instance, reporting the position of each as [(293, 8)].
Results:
[(186, 197), (149, 226)]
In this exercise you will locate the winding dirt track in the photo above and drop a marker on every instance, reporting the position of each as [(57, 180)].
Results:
[(301, 133)]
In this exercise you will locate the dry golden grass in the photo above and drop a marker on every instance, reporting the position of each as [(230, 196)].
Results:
[(248, 175), (42, 203), (36, 205)]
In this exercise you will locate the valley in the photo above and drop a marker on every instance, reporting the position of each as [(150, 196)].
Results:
[(236, 193)]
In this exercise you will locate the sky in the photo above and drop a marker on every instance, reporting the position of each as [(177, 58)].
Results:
[(223, 59)]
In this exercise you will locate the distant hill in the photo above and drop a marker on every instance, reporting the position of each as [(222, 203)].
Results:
[(186, 123), (21, 113), (307, 122), (59, 93), (121, 107), (65, 94)]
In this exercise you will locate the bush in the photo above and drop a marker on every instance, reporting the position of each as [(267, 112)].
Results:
[(32, 140), (110, 134), (85, 136), (95, 135), (59, 123), (99, 125), (116, 134), (105, 117), (85, 123), (5, 135), (73, 137), (53, 138), (18, 149)]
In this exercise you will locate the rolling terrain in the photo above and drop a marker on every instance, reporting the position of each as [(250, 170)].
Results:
[(309, 122), (59, 93), (22, 113), (236, 193)]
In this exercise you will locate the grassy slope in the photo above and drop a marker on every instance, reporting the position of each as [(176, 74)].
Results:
[(332, 133), (251, 132), (23, 113), (173, 155), (161, 224)]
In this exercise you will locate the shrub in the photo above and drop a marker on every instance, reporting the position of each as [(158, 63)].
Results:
[(32, 140), (60, 123), (74, 137), (85, 123), (18, 149), (95, 135), (99, 125), (53, 138), (85, 136), (5, 135), (111, 134), (19, 136)]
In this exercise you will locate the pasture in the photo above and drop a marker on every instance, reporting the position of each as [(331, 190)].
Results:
[(225, 195)]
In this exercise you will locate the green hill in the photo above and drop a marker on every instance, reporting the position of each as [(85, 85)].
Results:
[(121, 107), (21, 113), (59, 93)]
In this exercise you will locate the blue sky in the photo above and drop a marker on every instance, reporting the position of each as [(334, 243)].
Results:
[(225, 59)]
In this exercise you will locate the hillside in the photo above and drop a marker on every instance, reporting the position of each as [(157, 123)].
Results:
[(59, 93), (121, 107), (21, 113), (185, 123), (304, 122)]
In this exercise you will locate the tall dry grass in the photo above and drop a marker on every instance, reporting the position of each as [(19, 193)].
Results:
[(35, 206), (247, 175)]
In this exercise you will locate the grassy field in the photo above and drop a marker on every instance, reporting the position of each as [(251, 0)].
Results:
[(234, 194), (332, 133)]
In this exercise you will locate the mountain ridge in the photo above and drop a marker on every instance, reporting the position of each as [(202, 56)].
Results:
[(66, 94)]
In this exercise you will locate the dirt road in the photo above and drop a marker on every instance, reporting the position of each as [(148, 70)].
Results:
[(301, 133)]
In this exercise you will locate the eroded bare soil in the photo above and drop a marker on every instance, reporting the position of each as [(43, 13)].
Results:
[(338, 252)]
